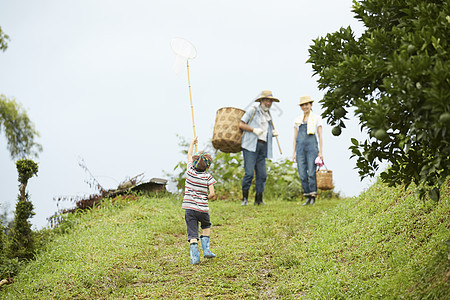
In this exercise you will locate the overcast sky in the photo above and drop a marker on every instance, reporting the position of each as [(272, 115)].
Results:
[(97, 80)]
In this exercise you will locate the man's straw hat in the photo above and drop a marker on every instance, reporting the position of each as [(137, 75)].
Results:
[(305, 99), (266, 95)]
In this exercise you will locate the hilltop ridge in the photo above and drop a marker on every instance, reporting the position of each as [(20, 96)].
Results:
[(383, 244)]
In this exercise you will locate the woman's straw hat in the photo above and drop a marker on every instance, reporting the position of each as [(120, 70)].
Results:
[(305, 99), (266, 95)]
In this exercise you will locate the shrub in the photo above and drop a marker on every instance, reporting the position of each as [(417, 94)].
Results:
[(21, 238), (283, 182)]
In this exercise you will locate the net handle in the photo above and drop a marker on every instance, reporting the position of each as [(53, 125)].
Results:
[(192, 106)]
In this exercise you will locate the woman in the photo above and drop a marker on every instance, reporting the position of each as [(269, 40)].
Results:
[(307, 147)]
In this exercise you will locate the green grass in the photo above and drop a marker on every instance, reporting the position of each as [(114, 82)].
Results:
[(384, 244)]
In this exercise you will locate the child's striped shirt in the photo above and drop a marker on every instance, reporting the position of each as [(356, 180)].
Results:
[(196, 189)]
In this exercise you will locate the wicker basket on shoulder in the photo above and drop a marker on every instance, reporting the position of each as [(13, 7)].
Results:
[(227, 136), (324, 179)]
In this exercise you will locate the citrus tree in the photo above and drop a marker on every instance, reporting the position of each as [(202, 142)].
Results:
[(396, 78)]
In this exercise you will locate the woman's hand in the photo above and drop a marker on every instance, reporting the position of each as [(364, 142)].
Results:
[(294, 158), (320, 155)]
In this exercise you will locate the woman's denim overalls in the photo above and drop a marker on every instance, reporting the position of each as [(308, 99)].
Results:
[(306, 152)]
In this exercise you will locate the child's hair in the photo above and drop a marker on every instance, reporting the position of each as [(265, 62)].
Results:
[(201, 161)]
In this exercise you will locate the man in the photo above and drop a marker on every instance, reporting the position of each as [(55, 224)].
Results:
[(257, 144)]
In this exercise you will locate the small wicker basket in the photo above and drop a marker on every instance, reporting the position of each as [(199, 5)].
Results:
[(324, 179)]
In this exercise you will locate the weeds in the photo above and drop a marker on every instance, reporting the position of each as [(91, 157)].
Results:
[(383, 244)]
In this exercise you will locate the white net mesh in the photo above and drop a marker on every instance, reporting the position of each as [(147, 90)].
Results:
[(184, 51)]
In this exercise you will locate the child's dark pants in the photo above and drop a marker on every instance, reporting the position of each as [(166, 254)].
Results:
[(192, 218)]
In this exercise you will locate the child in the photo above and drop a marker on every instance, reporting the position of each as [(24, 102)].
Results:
[(195, 202)]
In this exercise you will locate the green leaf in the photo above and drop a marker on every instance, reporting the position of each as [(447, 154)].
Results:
[(434, 194)]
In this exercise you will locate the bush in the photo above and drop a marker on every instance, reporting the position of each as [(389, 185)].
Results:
[(283, 182), (21, 239), (2, 242), (9, 267)]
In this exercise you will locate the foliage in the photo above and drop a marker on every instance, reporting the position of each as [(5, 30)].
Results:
[(21, 239), (282, 181), (14, 121), (383, 244), (26, 169), (2, 242), (19, 130), (3, 38), (396, 77), (82, 203), (4, 213), (10, 267), (87, 202), (228, 170), (178, 178)]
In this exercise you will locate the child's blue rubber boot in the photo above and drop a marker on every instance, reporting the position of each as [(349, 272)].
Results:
[(195, 255), (205, 245)]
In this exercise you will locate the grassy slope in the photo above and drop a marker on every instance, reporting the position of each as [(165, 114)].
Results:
[(383, 244)]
